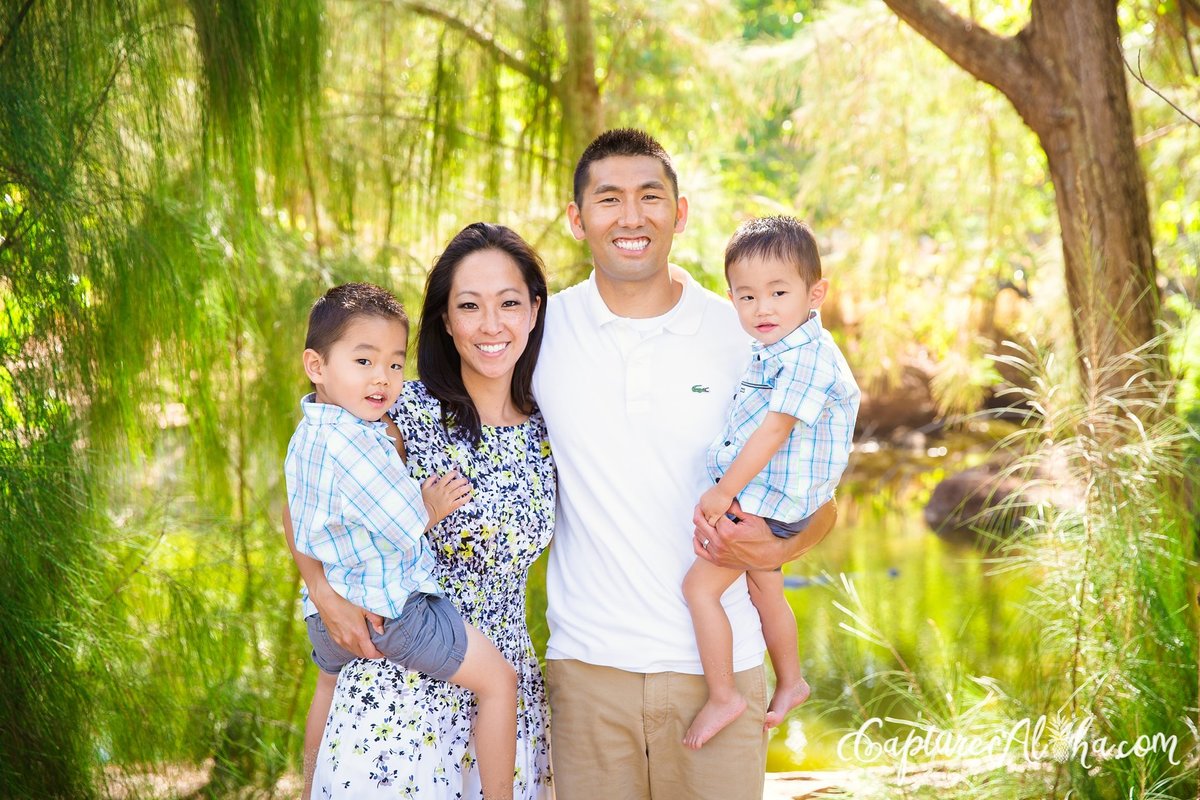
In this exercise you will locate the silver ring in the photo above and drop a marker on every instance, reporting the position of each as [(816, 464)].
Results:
[(704, 544)]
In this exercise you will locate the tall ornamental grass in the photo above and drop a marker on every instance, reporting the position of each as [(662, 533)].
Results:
[(1103, 701)]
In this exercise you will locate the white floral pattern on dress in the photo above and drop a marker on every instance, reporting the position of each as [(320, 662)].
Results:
[(393, 733)]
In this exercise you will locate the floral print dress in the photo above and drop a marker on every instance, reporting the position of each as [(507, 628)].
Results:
[(393, 733)]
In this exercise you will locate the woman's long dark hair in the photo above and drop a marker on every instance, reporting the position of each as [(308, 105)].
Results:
[(438, 362)]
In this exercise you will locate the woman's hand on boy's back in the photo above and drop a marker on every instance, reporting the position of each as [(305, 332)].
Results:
[(443, 494)]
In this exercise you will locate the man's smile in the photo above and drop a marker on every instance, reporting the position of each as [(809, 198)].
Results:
[(633, 245)]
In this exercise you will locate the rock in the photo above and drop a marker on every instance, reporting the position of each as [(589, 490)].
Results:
[(907, 404), (981, 505)]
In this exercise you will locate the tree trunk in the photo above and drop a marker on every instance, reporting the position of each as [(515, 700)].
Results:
[(1086, 129), (579, 93), (1064, 74), (576, 89)]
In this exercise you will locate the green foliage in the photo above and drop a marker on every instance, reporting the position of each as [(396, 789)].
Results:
[(179, 180), (136, 274), (1110, 553), (417, 142), (48, 590), (1162, 82), (1120, 567), (774, 19), (930, 196)]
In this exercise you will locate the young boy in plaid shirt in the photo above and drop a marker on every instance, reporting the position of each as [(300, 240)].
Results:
[(781, 455), (356, 509)]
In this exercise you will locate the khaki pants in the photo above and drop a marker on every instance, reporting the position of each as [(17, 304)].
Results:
[(618, 735)]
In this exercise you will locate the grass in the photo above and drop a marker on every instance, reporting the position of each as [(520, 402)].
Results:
[(1110, 639)]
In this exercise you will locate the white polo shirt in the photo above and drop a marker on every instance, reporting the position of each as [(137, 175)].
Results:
[(631, 406)]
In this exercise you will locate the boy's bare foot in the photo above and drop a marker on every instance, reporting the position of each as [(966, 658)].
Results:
[(786, 697), (711, 719)]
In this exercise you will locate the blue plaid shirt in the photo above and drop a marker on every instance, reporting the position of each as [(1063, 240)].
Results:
[(803, 375), (356, 509)]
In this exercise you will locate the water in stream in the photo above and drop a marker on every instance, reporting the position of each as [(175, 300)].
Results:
[(941, 605)]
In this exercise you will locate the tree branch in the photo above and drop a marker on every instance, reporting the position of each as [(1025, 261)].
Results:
[(481, 38), (1191, 9), (12, 29), (14, 234), (996, 60), (1140, 78), (1187, 40)]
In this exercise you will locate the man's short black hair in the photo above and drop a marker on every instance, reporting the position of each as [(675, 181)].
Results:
[(621, 142)]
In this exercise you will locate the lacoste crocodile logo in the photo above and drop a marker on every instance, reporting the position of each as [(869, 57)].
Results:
[(698, 389)]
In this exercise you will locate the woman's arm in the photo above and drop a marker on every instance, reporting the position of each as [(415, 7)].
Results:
[(343, 619), (749, 544)]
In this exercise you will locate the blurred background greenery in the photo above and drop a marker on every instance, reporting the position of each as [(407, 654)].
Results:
[(178, 181)]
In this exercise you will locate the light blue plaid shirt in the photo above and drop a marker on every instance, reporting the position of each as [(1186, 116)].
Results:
[(803, 375), (356, 509)]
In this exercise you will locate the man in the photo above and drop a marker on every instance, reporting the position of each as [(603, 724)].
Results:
[(637, 368)]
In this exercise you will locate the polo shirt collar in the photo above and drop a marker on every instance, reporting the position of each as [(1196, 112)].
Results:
[(810, 331), (331, 414), (685, 316)]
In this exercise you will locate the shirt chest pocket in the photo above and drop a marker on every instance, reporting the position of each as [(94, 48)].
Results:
[(750, 403)]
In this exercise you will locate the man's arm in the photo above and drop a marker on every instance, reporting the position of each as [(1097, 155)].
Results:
[(749, 544), (343, 619)]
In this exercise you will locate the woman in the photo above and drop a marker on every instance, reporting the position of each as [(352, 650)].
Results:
[(395, 733)]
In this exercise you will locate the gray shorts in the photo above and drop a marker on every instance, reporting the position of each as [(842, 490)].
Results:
[(786, 530), (429, 636)]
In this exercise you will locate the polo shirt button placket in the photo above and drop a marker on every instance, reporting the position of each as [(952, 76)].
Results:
[(637, 382)]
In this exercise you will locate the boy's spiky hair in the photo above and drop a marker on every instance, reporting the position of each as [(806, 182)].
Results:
[(341, 305), (782, 237)]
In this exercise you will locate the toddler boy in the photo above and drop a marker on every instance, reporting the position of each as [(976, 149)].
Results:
[(781, 454)]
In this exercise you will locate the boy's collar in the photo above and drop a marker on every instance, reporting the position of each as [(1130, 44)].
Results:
[(807, 331), (317, 413)]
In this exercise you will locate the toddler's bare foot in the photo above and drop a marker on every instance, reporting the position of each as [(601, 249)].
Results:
[(787, 696), (711, 719)]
